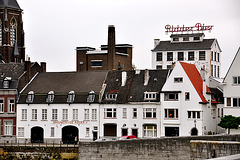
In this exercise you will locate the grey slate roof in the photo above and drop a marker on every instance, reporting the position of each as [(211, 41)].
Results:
[(11, 70), (9, 4), (168, 46), (61, 83)]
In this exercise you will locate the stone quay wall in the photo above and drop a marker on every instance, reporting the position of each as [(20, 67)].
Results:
[(174, 148)]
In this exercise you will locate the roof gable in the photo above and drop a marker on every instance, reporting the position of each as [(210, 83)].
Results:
[(195, 78), (234, 63)]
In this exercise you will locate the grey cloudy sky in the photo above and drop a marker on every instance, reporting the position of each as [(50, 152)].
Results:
[(54, 28)]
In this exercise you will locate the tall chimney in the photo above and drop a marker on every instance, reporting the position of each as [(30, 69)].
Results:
[(111, 47)]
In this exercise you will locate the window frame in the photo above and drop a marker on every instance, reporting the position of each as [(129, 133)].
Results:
[(44, 114), (180, 56), (167, 98), (20, 131), (11, 105), (54, 114), (110, 111), (135, 112), (86, 114), (64, 114), (159, 56), (169, 56), (150, 113), (96, 63), (24, 114), (8, 128), (2, 106), (236, 80), (34, 114), (75, 114), (191, 57), (171, 113), (94, 114), (150, 95), (202, 56)]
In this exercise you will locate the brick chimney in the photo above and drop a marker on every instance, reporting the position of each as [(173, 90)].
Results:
[(28, 70), (111, 48), (43, 66)]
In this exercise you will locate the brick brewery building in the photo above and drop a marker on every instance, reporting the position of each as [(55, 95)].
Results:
[(110, 57)]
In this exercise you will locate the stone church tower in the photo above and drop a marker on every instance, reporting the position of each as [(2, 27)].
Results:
[(12, 47)]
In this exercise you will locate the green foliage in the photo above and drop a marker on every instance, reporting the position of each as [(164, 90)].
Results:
[(229, 122)]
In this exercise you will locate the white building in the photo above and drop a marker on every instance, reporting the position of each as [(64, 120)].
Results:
[(231, 89), (190, 48), (187, 105)]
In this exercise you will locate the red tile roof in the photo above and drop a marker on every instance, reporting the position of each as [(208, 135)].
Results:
[(195, 78)]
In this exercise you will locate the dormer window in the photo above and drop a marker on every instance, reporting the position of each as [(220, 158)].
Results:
[(30, 97), (50, 97), (6, 82), (91, 97), (175, 39), (196, 38), (71, 97), (150, 95), (185, 38), (178, 79), (111, 96)]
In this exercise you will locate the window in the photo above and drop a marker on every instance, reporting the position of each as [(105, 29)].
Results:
[(65, 114), (228, 101), (34, 114), (12, 31), (134, 112), (8, 128), (159, 67), (218, 71), (111, 96), (91, 97), (215, 56), (178, 79), (50, 97), (187, 96), (180, 56), (5, 84), (52, 132), (75, 114), (185, 38), (71, 96), (11, 105), (211, 70), (212, 55), (150, 131), (20, 131), (169, 56), (171, 97), (44, 114), (96, 63), (236, 102), (236, 80), (196, 38), (24, 114), (159, 56), (171, 113), (191, 56), (149, 112), (201, 55), (1, 106), (175, 39), (124, 112), (54, 114), (194, 114), (94, 114), (150, 95), (218, 57), (110, 112), (30, 97), (87, 132), (215, 70), (86, 114)]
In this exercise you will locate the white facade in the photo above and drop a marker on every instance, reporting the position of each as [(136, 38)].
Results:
[(231, 89), (191, 113), (211, 63)]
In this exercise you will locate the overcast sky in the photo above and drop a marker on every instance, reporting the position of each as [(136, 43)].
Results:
[(54, 28)]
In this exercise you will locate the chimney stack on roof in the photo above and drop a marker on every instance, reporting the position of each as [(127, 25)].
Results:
[(111, 47)]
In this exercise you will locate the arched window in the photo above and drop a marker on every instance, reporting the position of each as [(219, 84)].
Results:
[(30, 97), (13, 28), (50, 97), (71, 96)]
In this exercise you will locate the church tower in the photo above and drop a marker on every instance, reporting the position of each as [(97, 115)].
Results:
[(12, 47)]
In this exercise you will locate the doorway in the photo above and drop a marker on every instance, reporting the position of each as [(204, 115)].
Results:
[(110, 130), (37, 135), (70, 134), (135, 132), (194, 131)]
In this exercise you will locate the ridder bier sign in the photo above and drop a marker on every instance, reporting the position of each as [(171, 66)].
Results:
[(197, 27)]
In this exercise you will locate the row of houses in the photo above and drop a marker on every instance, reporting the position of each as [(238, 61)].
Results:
[(89, 105)]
